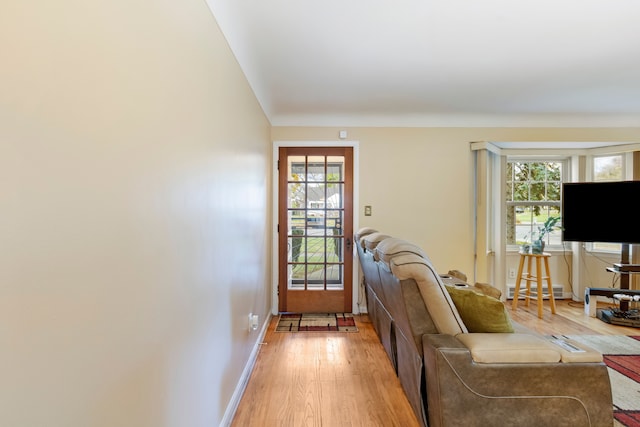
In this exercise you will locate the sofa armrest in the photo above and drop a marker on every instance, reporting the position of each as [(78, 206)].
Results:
[(524, 348), (461, 391), (509, 348)]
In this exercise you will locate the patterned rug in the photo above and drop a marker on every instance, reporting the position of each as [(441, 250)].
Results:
[(622, 356), (316, 322)]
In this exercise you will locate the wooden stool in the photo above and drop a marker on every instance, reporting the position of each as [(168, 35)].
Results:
[(538, 278)]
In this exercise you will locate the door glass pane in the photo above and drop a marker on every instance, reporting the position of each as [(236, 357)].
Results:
[(315, 168), (296, 195), (334, 222), (334, 275), (315, 216), (296, 276), (296, 168), (296, 247), (335, 169), (296, 222), (334, 249)]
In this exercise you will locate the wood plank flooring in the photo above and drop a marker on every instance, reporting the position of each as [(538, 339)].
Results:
[(569, 319), (345, 379), (323, 379)]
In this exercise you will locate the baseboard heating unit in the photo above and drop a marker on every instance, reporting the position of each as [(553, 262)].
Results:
[(558, 291)]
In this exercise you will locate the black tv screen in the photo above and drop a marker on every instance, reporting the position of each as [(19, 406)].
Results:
[(600, 212)]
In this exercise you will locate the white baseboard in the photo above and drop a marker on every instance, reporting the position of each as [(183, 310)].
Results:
[(232, 407)]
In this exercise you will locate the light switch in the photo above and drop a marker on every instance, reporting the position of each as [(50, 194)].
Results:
[(367, 211)]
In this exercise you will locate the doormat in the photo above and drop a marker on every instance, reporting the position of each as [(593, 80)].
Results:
[(316, 322), (622, 356)]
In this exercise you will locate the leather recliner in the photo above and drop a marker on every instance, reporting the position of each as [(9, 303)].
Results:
[(453, 377)]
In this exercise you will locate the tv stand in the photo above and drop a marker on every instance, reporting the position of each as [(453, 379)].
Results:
[(625, 270), (619, 267), (617, 316), (623, 316)]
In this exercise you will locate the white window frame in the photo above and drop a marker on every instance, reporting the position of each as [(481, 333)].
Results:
[(566, 164), (603, 247)]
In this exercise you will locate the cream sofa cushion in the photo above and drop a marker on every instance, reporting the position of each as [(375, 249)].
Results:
[(393, 247), (360, 235), (371, 240), (587, 354), (510, 348), (524, 348)]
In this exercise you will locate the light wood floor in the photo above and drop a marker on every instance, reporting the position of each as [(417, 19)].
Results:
[(569, 319), (335, 379)]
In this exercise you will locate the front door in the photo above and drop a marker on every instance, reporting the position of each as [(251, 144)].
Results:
[(315, 229)]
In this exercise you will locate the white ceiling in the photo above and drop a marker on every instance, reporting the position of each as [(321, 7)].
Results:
[(439, 63)]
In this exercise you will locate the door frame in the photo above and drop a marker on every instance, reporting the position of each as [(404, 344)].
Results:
[(274, 214)]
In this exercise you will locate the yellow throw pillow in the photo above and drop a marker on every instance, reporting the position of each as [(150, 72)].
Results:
[(480, 313)]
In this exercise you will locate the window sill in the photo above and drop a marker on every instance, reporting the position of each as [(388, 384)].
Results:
[(552, 250)]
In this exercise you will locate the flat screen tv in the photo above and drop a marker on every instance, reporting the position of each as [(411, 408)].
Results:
[(601, 212)]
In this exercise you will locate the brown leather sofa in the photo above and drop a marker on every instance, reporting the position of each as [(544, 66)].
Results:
[(453, 377)]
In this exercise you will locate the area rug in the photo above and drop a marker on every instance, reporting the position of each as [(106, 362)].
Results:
[(622, 357), (316, 322)]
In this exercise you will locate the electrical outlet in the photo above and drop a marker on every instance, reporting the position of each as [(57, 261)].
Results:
[(253, 322), (512, 273)]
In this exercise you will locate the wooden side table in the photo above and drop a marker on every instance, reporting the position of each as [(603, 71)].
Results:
[(538, 277)]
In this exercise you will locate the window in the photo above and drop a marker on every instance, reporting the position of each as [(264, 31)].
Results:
[(607, 168), (533, 194)]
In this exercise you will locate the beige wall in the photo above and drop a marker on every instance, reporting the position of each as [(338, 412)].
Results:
[(420, 181), (134, 212)]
